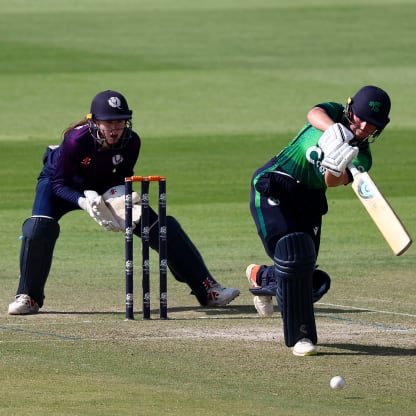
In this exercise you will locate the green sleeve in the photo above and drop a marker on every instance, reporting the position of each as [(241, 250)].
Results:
[(364, 160), (334, 110)]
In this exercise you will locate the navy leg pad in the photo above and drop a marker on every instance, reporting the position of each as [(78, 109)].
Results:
[(264, 291), (294, 260), (321, 282), (39, 236)]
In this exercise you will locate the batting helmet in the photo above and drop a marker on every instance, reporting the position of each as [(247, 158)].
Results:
[(371, 104), (110, 105)]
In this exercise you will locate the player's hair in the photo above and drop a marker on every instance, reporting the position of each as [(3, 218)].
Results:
[(83, 122)]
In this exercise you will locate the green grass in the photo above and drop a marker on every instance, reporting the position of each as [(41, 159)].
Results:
[(216, 88)]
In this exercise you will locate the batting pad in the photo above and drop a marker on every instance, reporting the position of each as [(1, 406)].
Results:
[(321, 283), (39, 236), (294, 260)]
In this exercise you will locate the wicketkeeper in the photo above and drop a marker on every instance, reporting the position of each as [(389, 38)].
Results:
[(86, 171), (288, 200)]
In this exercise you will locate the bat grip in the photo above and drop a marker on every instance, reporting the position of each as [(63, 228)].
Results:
[(354, 171)]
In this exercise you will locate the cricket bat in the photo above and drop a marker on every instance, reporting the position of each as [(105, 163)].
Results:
[(380, 211)]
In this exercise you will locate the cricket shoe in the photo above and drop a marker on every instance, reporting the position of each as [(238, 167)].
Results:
[(304, 348), (23, 305), (263, 304), (221, 296)]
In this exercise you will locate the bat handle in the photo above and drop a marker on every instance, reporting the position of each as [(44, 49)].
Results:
[(353, 169)]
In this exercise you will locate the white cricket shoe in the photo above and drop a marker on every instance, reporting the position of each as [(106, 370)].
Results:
[(263, 304), (221, 296), (304, 347), (23, 305)]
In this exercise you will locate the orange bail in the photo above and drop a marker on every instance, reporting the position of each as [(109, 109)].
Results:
[(152, 178)]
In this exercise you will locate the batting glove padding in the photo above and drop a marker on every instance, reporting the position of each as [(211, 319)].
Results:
[(86, 206), (333, 137), (97, 209), (337, 152), (338, 159)]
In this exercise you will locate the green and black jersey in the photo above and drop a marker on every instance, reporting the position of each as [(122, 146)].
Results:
[(302, 158)]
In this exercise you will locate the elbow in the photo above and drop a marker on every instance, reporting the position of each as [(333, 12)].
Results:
[(312, 114)]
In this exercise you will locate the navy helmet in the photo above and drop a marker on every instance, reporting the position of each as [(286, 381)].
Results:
[(110, 105), (371, 104)]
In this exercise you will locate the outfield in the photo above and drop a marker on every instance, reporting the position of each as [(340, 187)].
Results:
[(216, 89)]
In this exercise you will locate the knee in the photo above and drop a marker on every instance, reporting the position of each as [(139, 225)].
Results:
[(174, 230), (173, 226), (294, 264), (294, 252), (40, 227)]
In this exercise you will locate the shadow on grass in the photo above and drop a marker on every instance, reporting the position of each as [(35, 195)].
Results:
[(226, 311), (374, 350), (338, 310)]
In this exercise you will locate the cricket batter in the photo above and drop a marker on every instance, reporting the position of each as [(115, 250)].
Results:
[(84, 172), (288, 200)]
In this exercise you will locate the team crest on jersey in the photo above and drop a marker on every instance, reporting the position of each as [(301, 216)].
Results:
[(313, 154), (117, 159)]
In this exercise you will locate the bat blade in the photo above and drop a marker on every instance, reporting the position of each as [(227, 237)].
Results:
[(381, 212)]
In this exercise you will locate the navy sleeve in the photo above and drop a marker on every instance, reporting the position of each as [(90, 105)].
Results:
[(82, 166)]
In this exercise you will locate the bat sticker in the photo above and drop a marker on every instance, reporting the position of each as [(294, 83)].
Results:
[(365, 189)]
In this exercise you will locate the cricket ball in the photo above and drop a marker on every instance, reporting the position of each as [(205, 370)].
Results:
[(337, 383)]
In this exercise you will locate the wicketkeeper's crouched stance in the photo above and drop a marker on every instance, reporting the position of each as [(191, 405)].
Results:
[(87, 171), (288, 200)]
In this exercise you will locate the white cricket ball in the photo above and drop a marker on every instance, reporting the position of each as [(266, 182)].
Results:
[(337, 383)]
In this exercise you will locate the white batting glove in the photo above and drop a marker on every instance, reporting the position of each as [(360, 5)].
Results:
[(115, 201), (333, 137), (97, 209), (86, 206), (337, 161)]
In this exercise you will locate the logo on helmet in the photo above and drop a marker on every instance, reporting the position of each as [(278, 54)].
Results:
[(114, 102), (375, 106)]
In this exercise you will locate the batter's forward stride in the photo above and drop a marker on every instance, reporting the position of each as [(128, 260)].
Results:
[(288, 200)]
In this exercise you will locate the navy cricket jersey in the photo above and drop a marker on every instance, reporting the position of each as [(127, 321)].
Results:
[(79, 164)]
